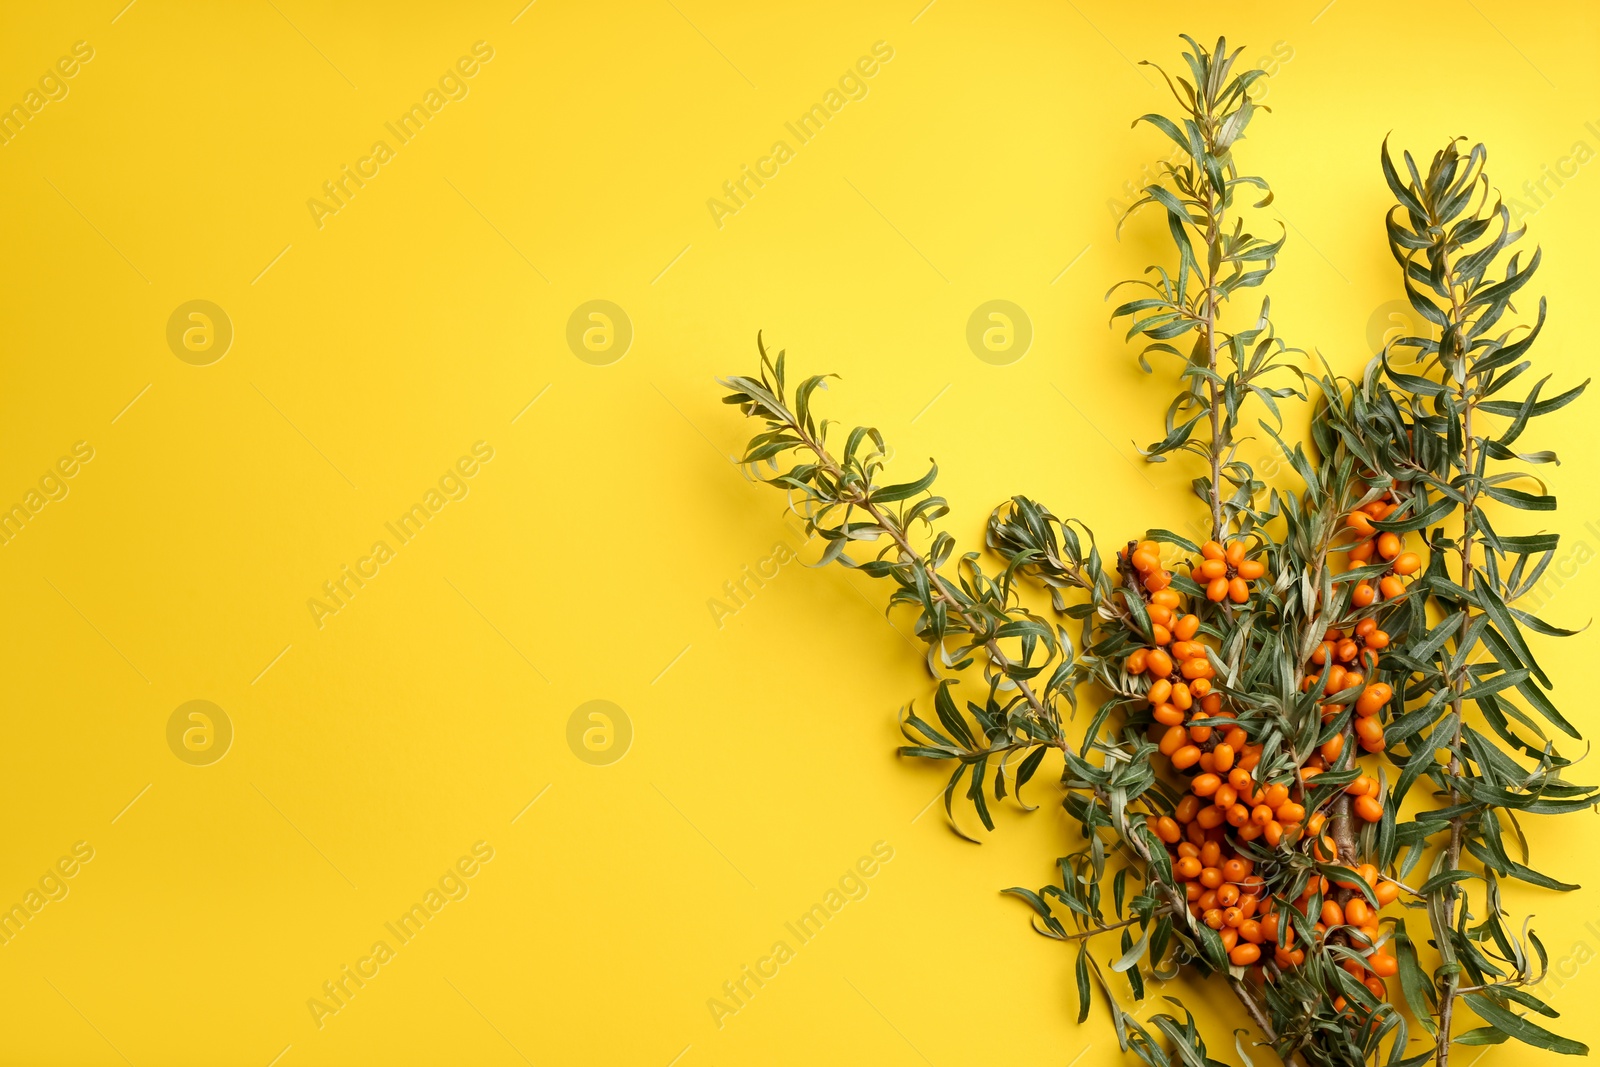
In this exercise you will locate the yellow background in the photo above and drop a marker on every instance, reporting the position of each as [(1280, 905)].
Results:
[(369, 754)]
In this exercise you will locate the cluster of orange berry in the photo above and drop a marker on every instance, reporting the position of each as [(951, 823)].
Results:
[(1225, 805), (1386, 546), (1223, 891), (1224, 573), (1347, 658)]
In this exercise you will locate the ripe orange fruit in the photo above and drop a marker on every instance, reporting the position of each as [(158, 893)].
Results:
[(1244, 954), (1407, 563), (1369, 729), (1368, 809), (1373, 698)]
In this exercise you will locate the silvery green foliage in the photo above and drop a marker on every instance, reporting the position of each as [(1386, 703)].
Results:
[(1424, 428)]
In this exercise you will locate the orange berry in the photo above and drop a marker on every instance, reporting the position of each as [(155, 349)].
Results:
[(1158, 663), (1173, 739), (1160, 691), (1186, 757), (1168, 715), (1388, 545), (1362, 595), (1210, 817), (1291, 812), (1212, 550), (1369, 809), (1332, 747), (1205, 785), (1238, 591), (1186, 810), (1332, 914), (1160, 634), (1276, 795), (1244, 955), (1145, 562), (1373, 698), (1167, 598), (1186, 627), (1210, 877), (1376, 987), (1391, 587), (1228, 895), (1272, 833), (1135, 663), (1226, 795), (1362, 552), (1383, 964), (1386, 892), (1251, 569), (1187, 868), (1217, 590), (1407, 563), (1222, 760), (1357, 912), (1360, 523), (1369, 729)]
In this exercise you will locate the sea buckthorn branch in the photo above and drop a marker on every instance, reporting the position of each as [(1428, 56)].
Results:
[(1204, 181), (960, 620), (1447, 238)]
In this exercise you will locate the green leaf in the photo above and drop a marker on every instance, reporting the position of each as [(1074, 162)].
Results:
[(1516, 1026)]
